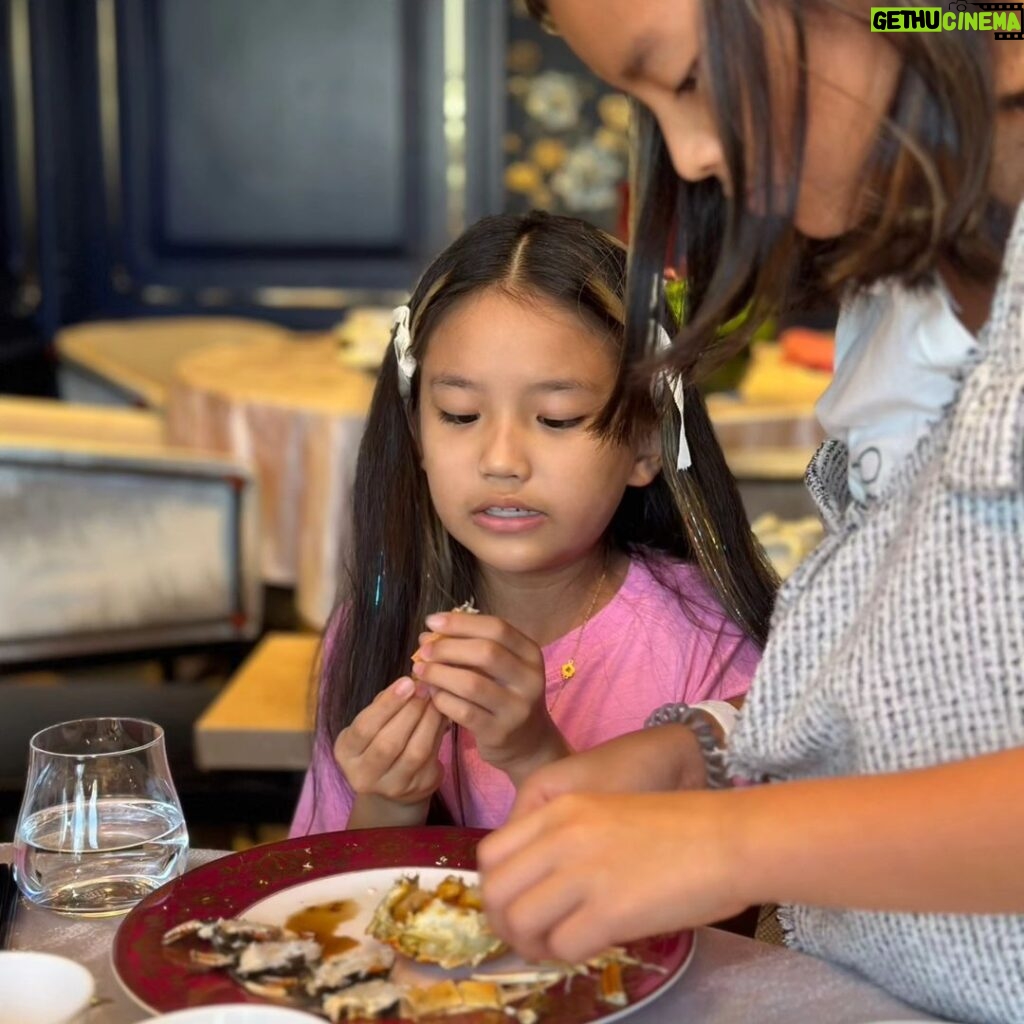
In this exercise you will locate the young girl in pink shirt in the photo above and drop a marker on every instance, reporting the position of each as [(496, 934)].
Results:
[(598, 531)]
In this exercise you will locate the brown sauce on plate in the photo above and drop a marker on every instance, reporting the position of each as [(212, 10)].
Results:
[(322, 920)]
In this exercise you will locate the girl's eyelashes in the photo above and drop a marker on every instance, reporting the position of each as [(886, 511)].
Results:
[(560, 424), (464, 419), (689, 83), (456, 419)]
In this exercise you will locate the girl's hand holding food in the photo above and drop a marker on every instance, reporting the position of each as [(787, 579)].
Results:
[(489, 678), (389, 756)]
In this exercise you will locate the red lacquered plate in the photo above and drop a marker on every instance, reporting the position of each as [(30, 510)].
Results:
[(270, 883)]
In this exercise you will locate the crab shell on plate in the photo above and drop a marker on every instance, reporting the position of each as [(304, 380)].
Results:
[(445, 927)]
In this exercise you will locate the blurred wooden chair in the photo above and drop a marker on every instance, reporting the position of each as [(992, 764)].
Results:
[(111, 540)]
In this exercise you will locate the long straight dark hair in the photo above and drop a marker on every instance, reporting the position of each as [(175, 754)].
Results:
[(924, 193), (404, 565)]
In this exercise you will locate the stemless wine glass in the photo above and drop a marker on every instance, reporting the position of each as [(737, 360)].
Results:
[(101, 825)]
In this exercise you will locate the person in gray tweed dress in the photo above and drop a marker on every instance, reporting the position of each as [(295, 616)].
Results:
[(880, 753)]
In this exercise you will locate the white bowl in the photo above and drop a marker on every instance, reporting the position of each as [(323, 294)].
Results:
[(39, 988), (235, 1013)]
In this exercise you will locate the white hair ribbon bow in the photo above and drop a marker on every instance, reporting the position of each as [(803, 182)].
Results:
[(403, 350), (662, 343)]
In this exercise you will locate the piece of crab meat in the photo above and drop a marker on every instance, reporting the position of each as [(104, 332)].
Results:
[(279, 989), (210, 959), (354, 965), (180, 931), (366, 1000), (526, 976), (226, 934), (288, 957), (517, 993)]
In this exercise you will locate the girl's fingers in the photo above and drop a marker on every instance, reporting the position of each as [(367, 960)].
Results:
[(469, 686), (392, 739), (443, 725), (455, 709), (377, 714), (439, 737), (485, 656), (425, 739), (417, 768), (483, 627), (406, 780)]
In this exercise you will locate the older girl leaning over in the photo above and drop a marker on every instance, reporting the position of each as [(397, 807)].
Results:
[(787, 144)]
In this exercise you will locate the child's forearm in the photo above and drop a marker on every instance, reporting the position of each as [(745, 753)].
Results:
[(947, 839), (379, 812)]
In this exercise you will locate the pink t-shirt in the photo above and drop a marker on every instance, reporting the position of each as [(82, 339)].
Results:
[(642, 650)]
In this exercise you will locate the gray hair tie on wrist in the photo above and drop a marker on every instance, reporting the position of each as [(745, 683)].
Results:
[(713, 754)]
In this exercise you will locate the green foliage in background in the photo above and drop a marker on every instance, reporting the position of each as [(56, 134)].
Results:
[(728, 376)]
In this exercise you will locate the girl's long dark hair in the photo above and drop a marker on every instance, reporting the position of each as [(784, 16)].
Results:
[(925, 195), (403, 564)]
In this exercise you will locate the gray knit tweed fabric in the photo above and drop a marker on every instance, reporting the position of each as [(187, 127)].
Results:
[(899, 644)]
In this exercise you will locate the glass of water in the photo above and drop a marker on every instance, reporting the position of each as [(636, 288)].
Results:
[(100, 824)]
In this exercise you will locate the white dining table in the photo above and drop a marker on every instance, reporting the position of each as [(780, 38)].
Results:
[(731, 980)]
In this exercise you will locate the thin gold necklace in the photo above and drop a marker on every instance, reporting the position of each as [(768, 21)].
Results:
[(569, 667)]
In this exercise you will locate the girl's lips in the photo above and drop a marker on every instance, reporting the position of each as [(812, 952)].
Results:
[(507, 524)]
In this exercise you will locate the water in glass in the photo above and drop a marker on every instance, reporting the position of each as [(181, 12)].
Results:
[(101, 825)]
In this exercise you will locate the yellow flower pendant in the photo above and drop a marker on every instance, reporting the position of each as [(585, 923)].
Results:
[(569, 669)]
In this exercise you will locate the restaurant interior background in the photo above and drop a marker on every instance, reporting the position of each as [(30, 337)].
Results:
[(208, 209)]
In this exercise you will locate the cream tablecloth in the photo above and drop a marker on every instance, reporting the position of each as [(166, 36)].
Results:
[(290, 409)]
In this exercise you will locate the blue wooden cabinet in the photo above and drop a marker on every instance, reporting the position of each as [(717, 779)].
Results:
[(278, 158)]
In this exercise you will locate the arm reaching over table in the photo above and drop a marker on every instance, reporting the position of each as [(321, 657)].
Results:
[(587, 870), (662, 759)]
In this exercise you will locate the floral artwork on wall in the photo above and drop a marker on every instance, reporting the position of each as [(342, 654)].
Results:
[(566, 144)]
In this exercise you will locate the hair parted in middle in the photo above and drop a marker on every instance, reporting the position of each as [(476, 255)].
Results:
[(404, 565)]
